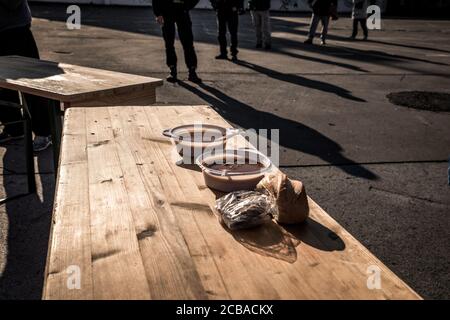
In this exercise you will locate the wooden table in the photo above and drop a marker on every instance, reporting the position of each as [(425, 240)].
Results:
[(138, 226), (70, 85)]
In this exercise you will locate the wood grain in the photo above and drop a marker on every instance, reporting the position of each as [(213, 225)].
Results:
[(70, 83), (153, 233)]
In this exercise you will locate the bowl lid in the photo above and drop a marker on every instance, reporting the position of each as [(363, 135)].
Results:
[(243, 156), (202, 132)]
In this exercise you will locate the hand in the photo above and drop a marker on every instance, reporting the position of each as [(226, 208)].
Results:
[(160, 20)]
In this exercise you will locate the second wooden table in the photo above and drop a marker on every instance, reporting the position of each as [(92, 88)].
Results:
[(70, 85)]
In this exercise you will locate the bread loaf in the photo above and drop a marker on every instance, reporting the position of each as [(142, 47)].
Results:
[(289, 195)]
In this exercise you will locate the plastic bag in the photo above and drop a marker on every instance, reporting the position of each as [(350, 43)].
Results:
[(244, 209)]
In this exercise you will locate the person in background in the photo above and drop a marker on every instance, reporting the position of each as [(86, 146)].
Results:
[(322, 10), (260, 11), (16, 38), (228, 12), (171, 13), (359, 15)]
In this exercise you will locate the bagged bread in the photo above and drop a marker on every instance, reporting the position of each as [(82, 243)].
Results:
[(289, 195), (244, 209)]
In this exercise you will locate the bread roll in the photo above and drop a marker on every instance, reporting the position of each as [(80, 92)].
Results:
[(290, 197)]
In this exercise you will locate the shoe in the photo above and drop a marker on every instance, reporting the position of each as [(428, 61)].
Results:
[(222, 56), (193, 77), (234, 58), (323, 42), (6, 137), (308, 41), (352, 38), (365, 38), (172, 78), (258, 45), (268, 47), (41, 143)]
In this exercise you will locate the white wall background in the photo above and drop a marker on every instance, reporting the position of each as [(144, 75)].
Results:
[(278, 5)]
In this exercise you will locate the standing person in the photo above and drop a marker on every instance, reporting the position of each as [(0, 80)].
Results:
[(16, 38), (228, 17), (168, 14), (260, 10), (359, 15), (322, 9)]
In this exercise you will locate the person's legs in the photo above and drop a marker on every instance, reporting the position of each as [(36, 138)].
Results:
[(233, 26), (257, 23), (222, 32), (168, 31), (266, 29), (10, 45), (40, 111), (364, 27), (313, 27), (355, 28), (184, 25), (325, 22)]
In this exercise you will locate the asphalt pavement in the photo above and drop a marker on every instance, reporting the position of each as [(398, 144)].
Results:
[(379, 169)]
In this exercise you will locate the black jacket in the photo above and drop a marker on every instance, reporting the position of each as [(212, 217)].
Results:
[(166, 7), (226, 4), (259, 5), (322, 7)]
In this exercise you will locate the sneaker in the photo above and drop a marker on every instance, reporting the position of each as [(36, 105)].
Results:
[(6, 137), (41, 143), (222, 56), (172, 78), (323, 42), (308, 41), (352, 38), (193, 77)]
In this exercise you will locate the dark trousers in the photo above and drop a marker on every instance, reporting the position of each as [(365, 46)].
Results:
[(20, 41), (363, 23), (228, 18), (183, 23)]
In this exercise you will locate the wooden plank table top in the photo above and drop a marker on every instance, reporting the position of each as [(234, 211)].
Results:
[(134, 225), (68, 83)]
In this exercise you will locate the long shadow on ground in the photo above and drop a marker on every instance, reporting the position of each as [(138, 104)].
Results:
[(293, 135)]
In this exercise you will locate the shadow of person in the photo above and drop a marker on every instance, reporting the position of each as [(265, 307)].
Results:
[(293, 135), (358, 54), (28, 228), (409, 46), (301, 81), (384, 59), (318, 60)]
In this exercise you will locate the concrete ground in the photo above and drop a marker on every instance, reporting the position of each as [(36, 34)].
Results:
[(378, 169)]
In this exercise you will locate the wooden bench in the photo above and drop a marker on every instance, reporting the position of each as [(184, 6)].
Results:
[(69, 85), (138, 226)]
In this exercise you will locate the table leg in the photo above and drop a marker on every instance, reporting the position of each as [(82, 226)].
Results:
[(56, 131), (29, 155)]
